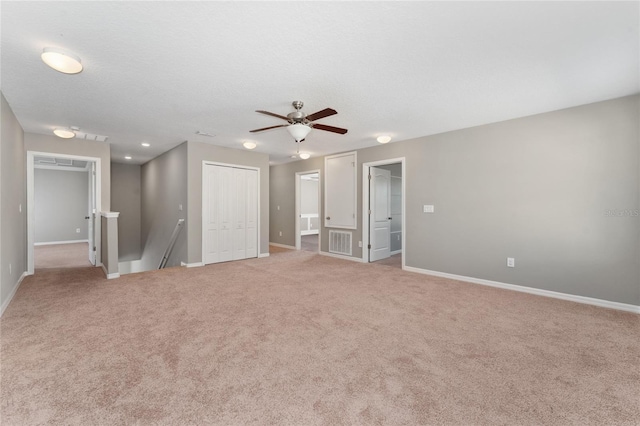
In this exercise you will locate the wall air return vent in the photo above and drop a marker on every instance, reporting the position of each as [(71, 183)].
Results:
[(340, 242)]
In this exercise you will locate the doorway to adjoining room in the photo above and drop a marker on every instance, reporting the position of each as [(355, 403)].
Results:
[(308, 211)]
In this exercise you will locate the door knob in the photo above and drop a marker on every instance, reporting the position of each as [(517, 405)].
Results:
[(389, 218), (87, 217), (328, 218)]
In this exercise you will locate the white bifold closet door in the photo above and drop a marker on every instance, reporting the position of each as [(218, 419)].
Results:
[(230, 210)]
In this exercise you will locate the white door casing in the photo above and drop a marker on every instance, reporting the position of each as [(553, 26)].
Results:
[(380, 214)]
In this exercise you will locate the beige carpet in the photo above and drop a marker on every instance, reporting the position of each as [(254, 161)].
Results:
[(302, 339), (75, 255)]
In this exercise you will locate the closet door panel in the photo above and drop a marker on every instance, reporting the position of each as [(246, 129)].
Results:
[(225, 208), (251, 236), (239, 214)]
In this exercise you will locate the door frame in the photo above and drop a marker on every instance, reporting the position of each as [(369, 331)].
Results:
[(31, 200), (204, 195), (365, 205), (298, 202)]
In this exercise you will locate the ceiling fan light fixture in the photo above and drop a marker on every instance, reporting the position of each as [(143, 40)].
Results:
[(249, 145), (61, 60), (64, 133), (298, 131), (305, 155), (384, 139)]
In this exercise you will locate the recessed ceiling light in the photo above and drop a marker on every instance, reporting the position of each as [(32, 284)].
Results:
[(249, 145), (145, 144), (127, 157), (64, 133), (61, 60), (384, 139), (305, 155)]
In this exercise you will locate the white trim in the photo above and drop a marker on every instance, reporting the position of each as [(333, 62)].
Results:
[(31, 200), (263, 255), (51, 243), (110, 215), (339, 256), (536, 291), (298, 201), (365, 204), (6, 303), (110, 276), (192, 265), (61, 168), (283, 246)]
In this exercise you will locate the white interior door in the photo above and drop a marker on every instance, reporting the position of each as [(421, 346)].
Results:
[(230, 213), (91, 214), (240, 214), (210, 214), (380, 214), (252, 214), (225, 204)]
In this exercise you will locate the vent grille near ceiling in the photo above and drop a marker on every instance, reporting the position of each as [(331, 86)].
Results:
[(340, 242), (91, 137)]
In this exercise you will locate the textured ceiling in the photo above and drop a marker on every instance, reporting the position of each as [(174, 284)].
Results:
[(158, 72)]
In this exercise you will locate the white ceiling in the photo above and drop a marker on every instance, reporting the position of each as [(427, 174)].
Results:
[(158, 72)]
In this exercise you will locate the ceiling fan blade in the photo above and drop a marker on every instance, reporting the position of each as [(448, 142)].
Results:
[(267, 128), (330, 128), (273, 114), (321, 114)]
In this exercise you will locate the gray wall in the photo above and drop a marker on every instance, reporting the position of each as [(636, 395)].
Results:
[(56, 145), (309, 196), (13, 222), (163, 190), (199, 152), (61, 203), (126, 199), (540, 189)]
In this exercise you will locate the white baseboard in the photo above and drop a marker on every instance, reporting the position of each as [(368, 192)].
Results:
[(536, 291), (192, 265), (340, 256), (6, 303), (263, 255), (51, 243), (396, 252), (110, 276), (282, 246)]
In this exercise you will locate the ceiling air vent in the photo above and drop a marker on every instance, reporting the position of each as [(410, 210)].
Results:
[(91, 137)]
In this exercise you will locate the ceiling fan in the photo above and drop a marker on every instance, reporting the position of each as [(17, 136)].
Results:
[(300, 124)]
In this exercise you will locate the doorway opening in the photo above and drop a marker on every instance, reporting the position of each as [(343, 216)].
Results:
[(308, 211), (63, 204), (383, 198)]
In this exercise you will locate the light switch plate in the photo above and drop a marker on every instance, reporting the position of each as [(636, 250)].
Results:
[(428, 208)]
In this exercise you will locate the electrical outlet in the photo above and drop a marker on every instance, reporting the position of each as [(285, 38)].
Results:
[(511, 262), (77, 230), (9, 269), (278, 207), (281, 233), (428, 208), (180, 207), (360, 244)]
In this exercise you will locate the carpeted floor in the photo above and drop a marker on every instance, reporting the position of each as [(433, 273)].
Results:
[(302, 339), (75, 255), (394, 261), (309, 242)]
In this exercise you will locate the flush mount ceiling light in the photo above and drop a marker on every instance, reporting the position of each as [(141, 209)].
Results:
[(145, 144), (249, 145), (64, 133), (383, 139), (305, 155), (128, 157), (61, 60), (298, 131)]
